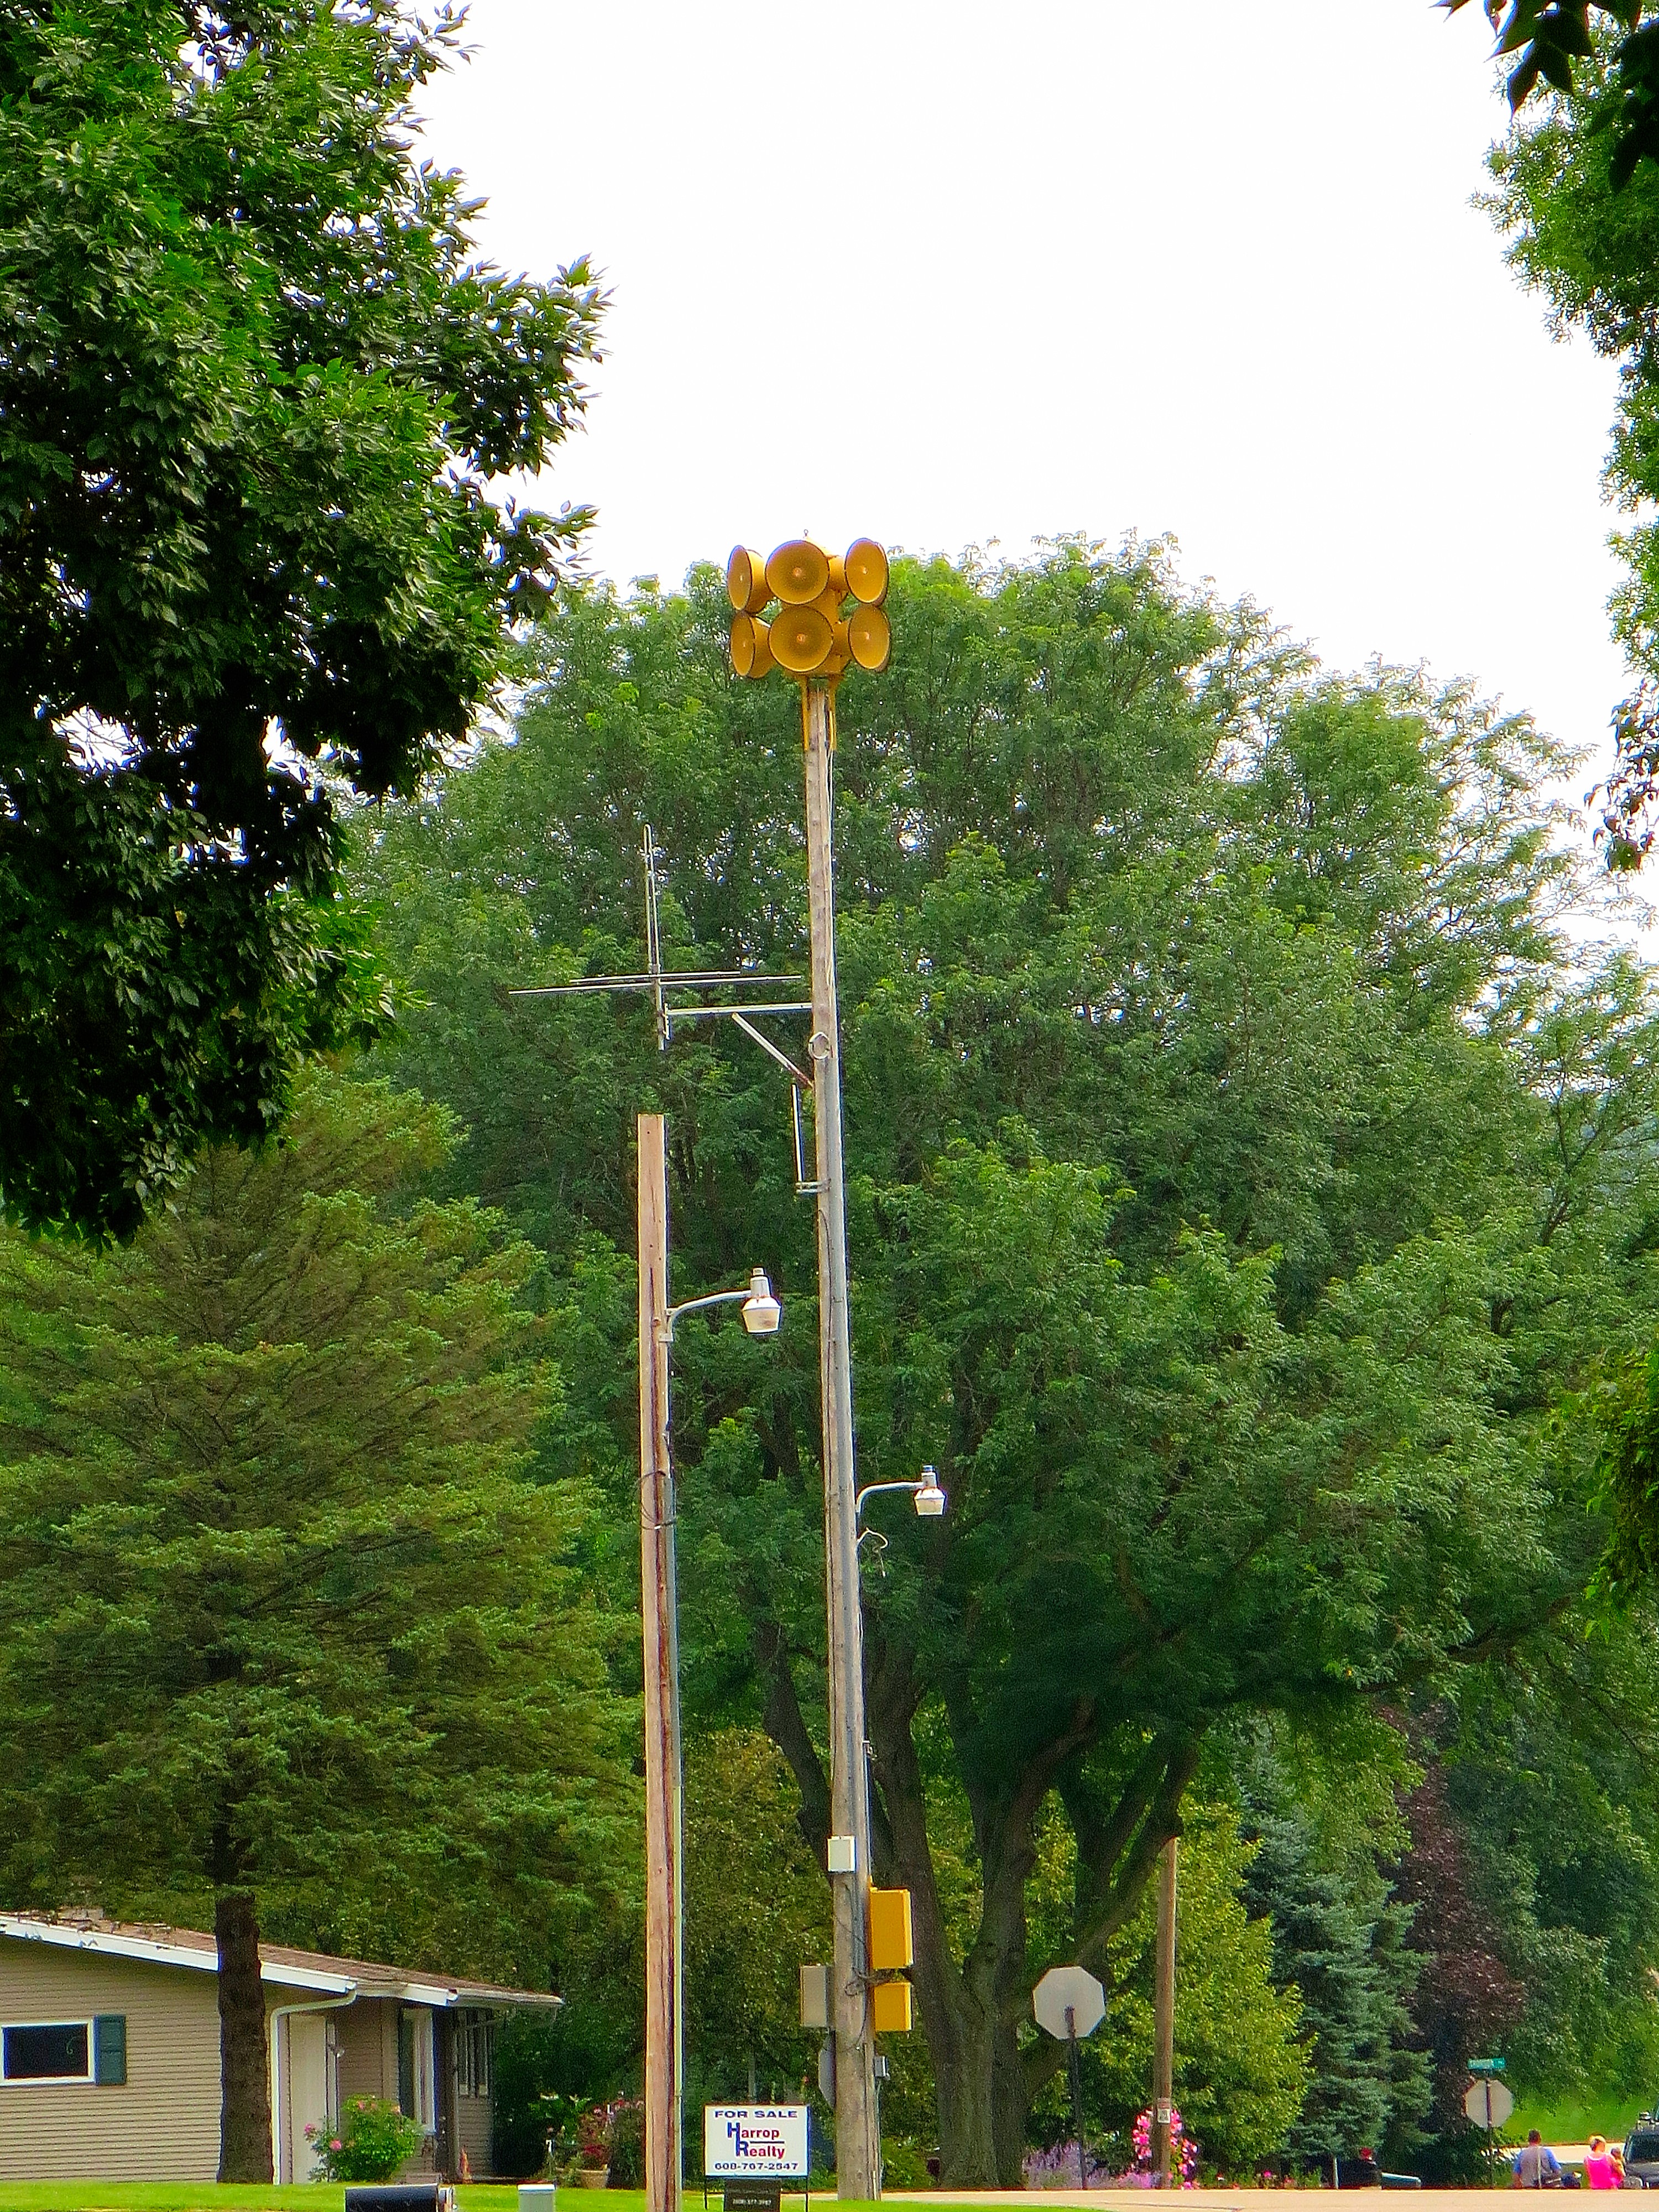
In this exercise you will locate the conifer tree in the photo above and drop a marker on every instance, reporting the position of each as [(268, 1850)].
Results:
[(292, 1634)]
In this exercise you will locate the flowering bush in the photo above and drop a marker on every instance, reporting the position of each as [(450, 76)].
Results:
[(370, 2141), (599, 2129), (1056, 2168), (1183, 2152)]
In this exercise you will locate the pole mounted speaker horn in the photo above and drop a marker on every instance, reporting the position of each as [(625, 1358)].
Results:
[(865, 565), (751, 645), (801, 639), (745, 582), (798, 573), (869, 639)]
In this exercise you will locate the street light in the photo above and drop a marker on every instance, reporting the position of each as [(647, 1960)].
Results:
[(761, 1312), (930, 1499), (663, 1820)]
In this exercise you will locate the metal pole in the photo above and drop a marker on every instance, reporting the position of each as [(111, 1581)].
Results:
[(1076, 2092), (857, 2148), (663, 1811), (1164, 2015)]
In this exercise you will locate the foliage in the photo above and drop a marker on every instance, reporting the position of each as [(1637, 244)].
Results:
[(1241, 2060), (1242, 1170), (1183, 2152), (1553, 38), (1339, 1938), (293, 1612), (625, 2143), (1587, 238), (756, 1910), (254, 385), (372, 2141)]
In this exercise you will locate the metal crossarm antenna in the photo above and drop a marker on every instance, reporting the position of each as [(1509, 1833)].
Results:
[(658, 980)]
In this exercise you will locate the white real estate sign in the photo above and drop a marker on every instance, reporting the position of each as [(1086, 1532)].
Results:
[(754, 2139)]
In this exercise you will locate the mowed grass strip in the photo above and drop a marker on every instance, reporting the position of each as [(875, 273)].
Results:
[(309, 2197)]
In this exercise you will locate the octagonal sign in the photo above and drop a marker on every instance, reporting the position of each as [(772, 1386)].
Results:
[(1069, 1986)]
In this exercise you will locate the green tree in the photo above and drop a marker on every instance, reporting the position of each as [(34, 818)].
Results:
[(1585, 234), (254, 385), (1342, 1944), (1552, 40), (1241, 1171), (1240, 2055), (295, 1635), (755, 1910)]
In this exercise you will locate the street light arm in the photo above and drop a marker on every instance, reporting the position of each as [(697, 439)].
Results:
[(875, 1489), (761, 1312), (695, 1305)]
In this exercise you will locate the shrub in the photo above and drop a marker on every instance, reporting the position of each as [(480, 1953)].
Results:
[(368, 2142)]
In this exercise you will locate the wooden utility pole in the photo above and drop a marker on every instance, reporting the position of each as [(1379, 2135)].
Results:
[(662, 1696), (858, 2147), (1164, 2015)]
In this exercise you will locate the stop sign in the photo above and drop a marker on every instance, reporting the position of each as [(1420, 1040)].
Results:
[(1073, 1989)]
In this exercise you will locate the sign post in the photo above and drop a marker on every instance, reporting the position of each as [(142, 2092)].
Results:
[(751, 2148), (1069, 2003), (1487, 2102)]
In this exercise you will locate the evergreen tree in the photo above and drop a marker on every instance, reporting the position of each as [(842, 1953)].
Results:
[(1341, 1942), (294, 1636)]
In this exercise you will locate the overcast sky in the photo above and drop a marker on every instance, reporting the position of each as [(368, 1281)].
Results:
[(943, 272)]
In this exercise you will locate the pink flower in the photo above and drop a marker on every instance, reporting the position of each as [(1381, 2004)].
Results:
[(335, 2143)]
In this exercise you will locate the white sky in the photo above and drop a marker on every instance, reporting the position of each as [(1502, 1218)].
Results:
[(946, 272)]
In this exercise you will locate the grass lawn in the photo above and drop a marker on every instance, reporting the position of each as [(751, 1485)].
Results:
[(306, 2197), (1611, 2116)]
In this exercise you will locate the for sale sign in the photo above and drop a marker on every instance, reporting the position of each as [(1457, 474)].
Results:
[(753, 2139)]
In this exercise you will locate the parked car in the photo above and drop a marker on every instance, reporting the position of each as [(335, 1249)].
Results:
[(1641, 2152)]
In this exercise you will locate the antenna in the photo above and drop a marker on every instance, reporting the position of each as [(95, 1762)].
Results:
[(657, 981)]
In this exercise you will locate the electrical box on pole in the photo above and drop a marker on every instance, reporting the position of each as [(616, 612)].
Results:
[(892, 1943)]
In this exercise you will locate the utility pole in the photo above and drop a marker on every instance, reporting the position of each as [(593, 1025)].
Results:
[(858, 2146), (1164, 2015), (665, 1902), (814, 639), (663, 1807)]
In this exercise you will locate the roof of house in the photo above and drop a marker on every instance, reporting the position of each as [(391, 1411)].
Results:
[(280, 1965)]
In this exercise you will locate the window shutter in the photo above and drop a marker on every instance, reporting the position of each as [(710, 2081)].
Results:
[(109, 2048)]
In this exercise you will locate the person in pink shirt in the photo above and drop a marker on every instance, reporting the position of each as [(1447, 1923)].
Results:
[(1598, 2166)]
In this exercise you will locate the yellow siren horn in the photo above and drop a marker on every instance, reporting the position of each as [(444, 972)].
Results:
[(751, 646), (869, 639), (801, 638), (866, 567), (745, 582), (798, 573)]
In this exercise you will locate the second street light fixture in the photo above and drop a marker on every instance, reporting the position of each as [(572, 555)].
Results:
[(830, 619)]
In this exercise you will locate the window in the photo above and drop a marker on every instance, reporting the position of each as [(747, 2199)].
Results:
[(46, 2050), (475, 2034), (415, 2082)]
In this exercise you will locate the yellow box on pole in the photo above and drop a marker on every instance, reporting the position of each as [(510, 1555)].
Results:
[(892, 1945), (889, 2007)]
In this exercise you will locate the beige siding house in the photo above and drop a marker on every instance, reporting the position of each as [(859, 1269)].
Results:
[(109, 2051)]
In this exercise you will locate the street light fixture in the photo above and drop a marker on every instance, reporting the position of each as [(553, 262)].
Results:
[(930, 1499), (761, 1312)]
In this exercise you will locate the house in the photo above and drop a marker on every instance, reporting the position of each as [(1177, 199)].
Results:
[(109, 2051)]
